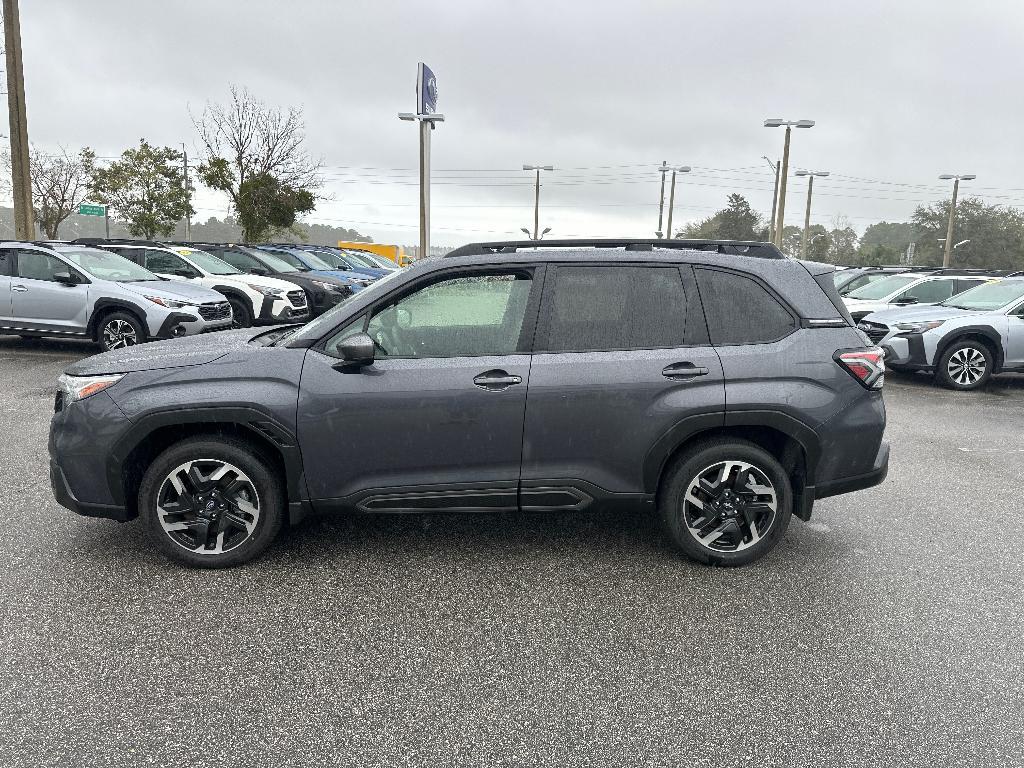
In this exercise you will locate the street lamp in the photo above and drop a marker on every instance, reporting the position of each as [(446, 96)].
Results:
[(957, 178), (672, 197), (664, 168), (546, 230), (775, 195), (536, 196), (807, 213), (778, 122)]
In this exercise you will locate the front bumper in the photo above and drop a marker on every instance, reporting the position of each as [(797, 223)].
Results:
[(188, 322), (66, 498), (906, 351), (282, 311)]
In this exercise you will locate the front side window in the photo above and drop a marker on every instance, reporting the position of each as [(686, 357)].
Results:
[(6, 263), (168, 264), (34, 265), (928, 292), (458, 317), (238, 260), (592, 309), (740, 310), (209, 262)]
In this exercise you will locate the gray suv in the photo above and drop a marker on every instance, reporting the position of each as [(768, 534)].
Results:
[(57, 289), (720, 384)]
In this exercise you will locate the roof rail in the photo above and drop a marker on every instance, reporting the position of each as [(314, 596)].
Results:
[(735, 247), (116, 241), (972, 271)]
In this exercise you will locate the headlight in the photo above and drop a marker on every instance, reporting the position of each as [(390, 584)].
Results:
[(80, 387), (273, 292), (169, 303), (333, 287), (919, 327)]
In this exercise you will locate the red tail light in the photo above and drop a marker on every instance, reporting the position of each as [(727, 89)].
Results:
[(865, 365)]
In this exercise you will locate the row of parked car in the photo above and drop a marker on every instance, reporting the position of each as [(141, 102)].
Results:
[(125, 292), (963, 325)]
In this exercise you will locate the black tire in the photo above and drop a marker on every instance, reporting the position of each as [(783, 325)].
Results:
[(741, 539), (240, 314), (965, 365), (117, 330), (263, 491)]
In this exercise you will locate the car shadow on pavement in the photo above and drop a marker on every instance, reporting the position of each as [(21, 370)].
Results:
[(1004, 383)]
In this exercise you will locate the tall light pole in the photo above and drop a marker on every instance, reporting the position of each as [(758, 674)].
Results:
[(778, 122), (775, 196), (672, 196), (947, 256), (807, 213), (661, 197), (536, 196), (21, 183)]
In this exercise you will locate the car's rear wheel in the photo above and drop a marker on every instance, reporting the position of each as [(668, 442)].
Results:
[(118, 330), (211, 502), (726, 502), (241, 317), (965, 365)]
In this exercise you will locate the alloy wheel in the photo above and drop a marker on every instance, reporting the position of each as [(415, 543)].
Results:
[(208, 506), (730, 506), (119, 333), (966, 366)]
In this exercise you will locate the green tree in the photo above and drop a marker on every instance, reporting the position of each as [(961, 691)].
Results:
[(254, 153), (737, 221), (145, 189), (996, 234)]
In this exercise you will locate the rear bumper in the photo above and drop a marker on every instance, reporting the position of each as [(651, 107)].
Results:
[(868, 479)]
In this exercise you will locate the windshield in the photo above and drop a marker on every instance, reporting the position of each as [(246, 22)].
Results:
[(379, 261), (359, 259), (106, 265), (288, 258), (208, 262), (329, 319), (279, 263), (324, 260), (882, 288), (988, 297)]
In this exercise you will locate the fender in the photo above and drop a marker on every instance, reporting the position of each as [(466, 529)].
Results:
[(987, 331), (692, 426), (256, 421), (104, 303), (238, 293)]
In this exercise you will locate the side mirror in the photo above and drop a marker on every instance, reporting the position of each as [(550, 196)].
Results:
[(187, 274), (357, 350), (65, 278), (905, 301), (259, 271)]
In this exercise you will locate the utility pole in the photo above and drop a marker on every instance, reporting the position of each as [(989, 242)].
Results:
[(947, 255), (426, 103), (188, 217), (536, 195), (807, 213), (775, 122), (21, 182), (661, 198), (775, 197), (672, 196)]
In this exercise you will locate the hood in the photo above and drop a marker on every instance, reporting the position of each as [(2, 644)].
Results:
[(918, 314), (863, 305), (190, 350), (273, 283), (176, 290)]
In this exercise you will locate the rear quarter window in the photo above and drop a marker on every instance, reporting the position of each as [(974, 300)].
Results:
[(740, 310)]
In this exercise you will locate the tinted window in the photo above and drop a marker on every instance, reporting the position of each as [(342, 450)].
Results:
[(242, 261), (6, 263), (928, 292), (167, 263), (604, 308), (740, 310), (33, 265), (462, 316), (966, 285)]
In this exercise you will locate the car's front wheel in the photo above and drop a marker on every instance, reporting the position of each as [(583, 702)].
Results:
[(118, 330), (241, 317), (211, 502), (965, 365), (725, 502)]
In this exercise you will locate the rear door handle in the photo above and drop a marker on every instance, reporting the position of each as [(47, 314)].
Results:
[(496, 380), (684, 371)]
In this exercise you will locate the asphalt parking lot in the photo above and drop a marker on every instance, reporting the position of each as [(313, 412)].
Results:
[(888, 631)]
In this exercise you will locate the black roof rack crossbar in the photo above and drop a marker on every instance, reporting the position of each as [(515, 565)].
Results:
[(734, 247), (115, 241)]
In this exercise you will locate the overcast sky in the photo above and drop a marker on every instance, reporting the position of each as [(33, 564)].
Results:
[(604, 91)]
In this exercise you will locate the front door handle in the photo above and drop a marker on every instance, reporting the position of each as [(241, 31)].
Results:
[(496, 380), (684, 371), (19, 288)]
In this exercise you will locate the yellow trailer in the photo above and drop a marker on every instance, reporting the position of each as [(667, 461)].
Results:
[(394, 252)]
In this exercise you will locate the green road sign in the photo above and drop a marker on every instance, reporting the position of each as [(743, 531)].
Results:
[(86, 209)]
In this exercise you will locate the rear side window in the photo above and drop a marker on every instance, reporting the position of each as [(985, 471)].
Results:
[(739, 310), (608, 308)]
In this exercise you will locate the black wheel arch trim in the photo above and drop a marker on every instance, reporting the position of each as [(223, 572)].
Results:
[(261, 424), (102, 305), (173, 319), (958, 334), (237, 293)]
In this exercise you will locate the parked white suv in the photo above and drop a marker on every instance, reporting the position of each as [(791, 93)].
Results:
[(913, 288), (255, 299)]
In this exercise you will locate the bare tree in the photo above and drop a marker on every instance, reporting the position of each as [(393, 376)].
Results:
[(248, 145), (60, 183)]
